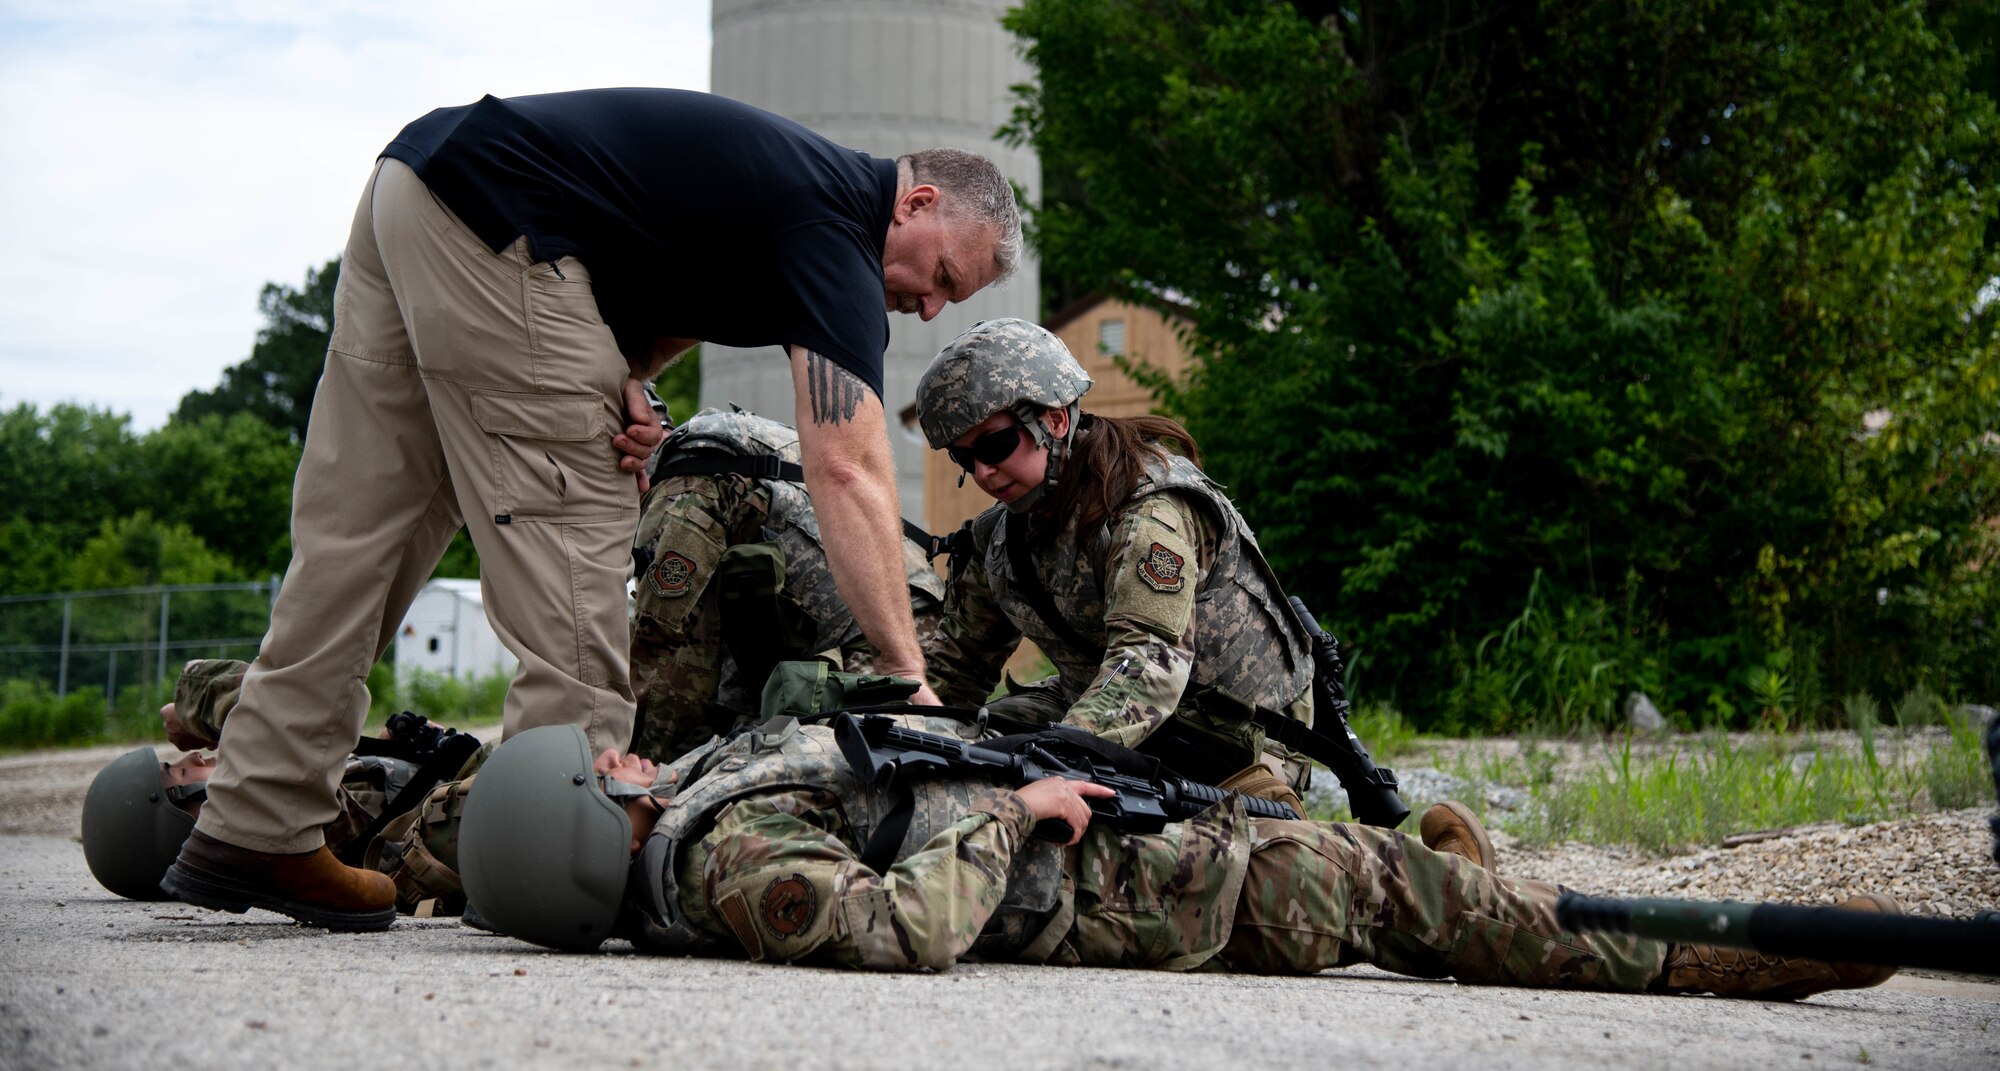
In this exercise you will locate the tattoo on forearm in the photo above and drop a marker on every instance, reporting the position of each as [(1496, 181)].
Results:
[(835, 391)]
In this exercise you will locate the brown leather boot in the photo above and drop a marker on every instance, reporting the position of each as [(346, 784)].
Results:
[(314, 888), (1452, 828), (1739, 972)]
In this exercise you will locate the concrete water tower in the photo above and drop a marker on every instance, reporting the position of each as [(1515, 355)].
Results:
[(886, 77)]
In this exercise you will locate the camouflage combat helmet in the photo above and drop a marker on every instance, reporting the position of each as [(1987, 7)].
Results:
[(1002, 366), (132, 830), (542, 850)]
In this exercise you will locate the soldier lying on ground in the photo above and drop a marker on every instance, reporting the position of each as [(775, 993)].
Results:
[(754, 847), (139, 810), (1111, 550), (731, 580)]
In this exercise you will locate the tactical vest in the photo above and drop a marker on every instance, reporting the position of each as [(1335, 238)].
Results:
[(782, 754), (1246, 641), (791, 524)]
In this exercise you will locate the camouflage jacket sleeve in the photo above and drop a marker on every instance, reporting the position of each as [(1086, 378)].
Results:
[(1153, 568), (685, 523), (206, 692), (778, 872), (973, 641)]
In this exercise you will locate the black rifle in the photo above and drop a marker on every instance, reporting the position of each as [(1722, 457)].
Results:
[(889, 755), (1371, 789), (1823, 933)]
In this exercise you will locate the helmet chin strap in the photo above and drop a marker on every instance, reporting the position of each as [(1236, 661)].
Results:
[(1058, 449)]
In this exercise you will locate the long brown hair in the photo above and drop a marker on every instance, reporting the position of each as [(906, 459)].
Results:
[(1107, 458)]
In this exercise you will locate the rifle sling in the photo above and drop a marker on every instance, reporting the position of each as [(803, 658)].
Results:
[(1302, 738), (450, 756), (769, 467), (879, 854)]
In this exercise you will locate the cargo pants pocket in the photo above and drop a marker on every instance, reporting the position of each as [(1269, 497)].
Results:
[(549, 461)]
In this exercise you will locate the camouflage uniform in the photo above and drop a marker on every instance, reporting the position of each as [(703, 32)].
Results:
[(418, 849), (1179, 614), (761, 856), (686, 680)]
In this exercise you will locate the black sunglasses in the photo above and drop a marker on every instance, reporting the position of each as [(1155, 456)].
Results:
[(992, 448)]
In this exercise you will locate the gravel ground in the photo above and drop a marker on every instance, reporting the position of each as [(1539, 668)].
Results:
[(1935, 864)]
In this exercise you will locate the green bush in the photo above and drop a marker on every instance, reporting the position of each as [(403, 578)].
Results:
[(444, 698), (1563, 663), (33, 716)]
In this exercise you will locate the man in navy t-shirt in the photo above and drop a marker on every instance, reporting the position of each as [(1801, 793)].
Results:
[(517, 270)]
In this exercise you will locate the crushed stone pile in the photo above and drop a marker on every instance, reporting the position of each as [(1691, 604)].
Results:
[(1936, 864)]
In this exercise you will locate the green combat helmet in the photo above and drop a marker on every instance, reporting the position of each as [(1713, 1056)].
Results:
[(132, 830), (542, 850), (1002, 365)]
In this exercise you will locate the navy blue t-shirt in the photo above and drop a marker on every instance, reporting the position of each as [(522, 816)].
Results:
[(698, 216)]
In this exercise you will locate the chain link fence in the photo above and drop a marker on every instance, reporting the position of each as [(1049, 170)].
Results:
[(120, 647)]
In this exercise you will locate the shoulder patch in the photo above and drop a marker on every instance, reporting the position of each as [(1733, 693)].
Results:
[(1162, 569), (672, 575), (789, 905)]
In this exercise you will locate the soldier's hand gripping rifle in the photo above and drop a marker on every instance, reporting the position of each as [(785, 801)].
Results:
[(1371, 789), (887, 754), (1822, 933)]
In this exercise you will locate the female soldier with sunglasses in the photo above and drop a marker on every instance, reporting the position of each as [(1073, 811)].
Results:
[(1111, 550)]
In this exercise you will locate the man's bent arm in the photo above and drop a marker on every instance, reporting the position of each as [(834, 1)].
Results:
[(851, 477)]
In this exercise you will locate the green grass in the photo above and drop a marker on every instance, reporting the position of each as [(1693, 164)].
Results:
[(1383, 730), (1713, 786)]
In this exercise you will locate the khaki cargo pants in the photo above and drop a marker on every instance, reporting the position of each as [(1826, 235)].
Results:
[(461, 387)]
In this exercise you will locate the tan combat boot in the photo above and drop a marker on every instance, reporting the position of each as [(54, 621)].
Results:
[(1739, 972), (312, 887), (1450, 827)]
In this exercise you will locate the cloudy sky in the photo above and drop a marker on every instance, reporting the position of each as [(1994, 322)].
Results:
[(161, 160)]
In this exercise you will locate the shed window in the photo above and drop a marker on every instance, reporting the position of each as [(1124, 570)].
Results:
[(1111, 337)]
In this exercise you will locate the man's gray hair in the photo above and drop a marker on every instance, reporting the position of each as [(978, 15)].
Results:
[(974, 191)]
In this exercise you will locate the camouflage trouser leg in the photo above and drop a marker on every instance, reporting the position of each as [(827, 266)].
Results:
[(675, 677), (1320, 895)]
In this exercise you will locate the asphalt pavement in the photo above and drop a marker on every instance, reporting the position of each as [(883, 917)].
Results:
[(88, 980)]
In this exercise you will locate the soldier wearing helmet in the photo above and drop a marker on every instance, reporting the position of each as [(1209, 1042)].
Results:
[(759, 846), (139, 810), (731, 578), (1128, 567)]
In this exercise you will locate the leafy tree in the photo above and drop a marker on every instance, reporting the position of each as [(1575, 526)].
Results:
[(276, 383), (679, 385), (1670, 307), (229, 481), (137, 551)]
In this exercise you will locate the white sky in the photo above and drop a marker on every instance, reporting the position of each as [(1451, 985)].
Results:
[(161, 160)]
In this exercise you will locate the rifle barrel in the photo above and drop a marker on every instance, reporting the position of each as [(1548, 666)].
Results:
[(1821, 933)]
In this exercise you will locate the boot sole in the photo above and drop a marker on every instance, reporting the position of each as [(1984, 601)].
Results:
[(206, 890)]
